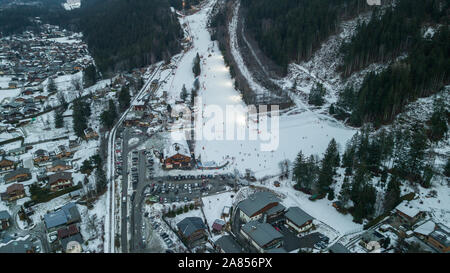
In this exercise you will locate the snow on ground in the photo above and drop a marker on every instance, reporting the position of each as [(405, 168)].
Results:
[(8, 93), (213, 205), (305, 131), (437, 206), (92, 225)]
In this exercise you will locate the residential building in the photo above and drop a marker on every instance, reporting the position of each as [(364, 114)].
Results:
[(59, 181), (177, 154), (218, 225), (256, 205), (58, 165), (6, 164), (5, 219), (338, 248), (227, 244), (19, 175), (15, 191), (89, 133), (66, 215), (298, 220), (436, 235), (262, 236), (41, 156), (192, 230), (409, 212)]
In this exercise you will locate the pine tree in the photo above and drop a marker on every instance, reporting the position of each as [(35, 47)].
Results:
[(330, 162), (124, 99), (184, 93), (438, 121), (108, 116), (81, 113), (51, 87), (447, 168), (416, 153), (316, 95), (59, 119), (299, 168), (392, 195), (344, 194), (90, 76), (196, 68)]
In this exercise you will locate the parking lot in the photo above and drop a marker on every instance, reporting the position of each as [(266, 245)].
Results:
[(185, 188)]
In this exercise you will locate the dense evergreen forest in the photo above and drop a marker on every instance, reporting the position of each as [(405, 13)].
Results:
[(291, 30), (391, 32), (124, 34), (382, 96)]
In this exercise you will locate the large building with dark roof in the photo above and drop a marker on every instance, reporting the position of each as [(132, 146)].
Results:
[(298, 220), (226, 244), (262, 236), (257, 204)]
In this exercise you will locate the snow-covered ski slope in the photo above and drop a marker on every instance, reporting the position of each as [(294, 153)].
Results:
[(299, 130)]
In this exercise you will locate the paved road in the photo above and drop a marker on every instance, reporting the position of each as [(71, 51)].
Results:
[(110, 221)]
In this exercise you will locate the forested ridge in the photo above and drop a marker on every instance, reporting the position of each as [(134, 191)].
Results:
[(124, 34), (291, 30), (391, 32), (382, 96)]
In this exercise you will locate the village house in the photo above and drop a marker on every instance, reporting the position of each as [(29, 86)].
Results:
[(62, 152), (5, 219), (73, 142), (192, 230), (41, 156), (371, 239), (262, 236), (12, 85), (338, 248), (256, 205), (298, 220), (139, 106), (66, 215), (89, 133), (40, 98), (65, 232), (14, 192), (59, 181), (6, 165), (409, 212), (177, 156), (226, 244), (58, 165), (436, 235), (19, 175), (218, 226)]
